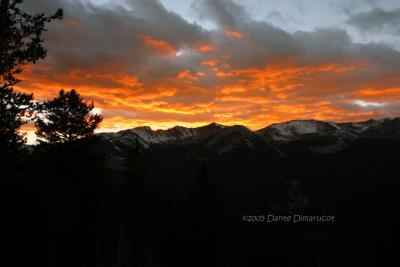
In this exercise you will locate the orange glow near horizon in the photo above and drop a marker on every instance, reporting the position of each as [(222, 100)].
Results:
[(254, 97)]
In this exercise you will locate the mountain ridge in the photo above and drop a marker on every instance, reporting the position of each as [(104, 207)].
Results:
[(276, 140), (283, 131)]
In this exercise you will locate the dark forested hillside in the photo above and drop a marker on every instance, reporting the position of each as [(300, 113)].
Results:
[(200, 201)]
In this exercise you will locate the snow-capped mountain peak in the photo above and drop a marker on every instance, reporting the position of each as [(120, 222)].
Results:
[(291, 130)]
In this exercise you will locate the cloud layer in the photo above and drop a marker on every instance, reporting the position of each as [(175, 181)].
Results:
[(377, 21), (145, 65)]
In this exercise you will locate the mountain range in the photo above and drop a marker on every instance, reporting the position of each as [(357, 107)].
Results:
[(313, 135)]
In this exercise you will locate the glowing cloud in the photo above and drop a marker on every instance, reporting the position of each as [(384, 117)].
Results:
[(160, 46), (232, 33), (365, 104)]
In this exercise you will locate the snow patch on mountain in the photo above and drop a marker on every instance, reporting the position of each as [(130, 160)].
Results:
[(292, 130), (145, 136), (285, 131)]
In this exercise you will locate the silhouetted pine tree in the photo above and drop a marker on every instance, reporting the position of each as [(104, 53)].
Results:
[(20, 44), (66, 118), (20, 39), (14, 112), (65, 130)]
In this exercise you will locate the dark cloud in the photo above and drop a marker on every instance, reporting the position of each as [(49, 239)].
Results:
[(226, 13), (348, 7), (377, 21), (111, 37), (280, 19)]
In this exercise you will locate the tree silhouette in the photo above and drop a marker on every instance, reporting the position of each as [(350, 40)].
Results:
[(14, 110), (65, 131), (20, 39), (66, 118), (20, 44)]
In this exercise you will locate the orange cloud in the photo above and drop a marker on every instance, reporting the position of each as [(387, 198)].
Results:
[(206, 48), (210, 62), (160, 46), (254, 97), (186, 74), (232, 33), (388, 93)]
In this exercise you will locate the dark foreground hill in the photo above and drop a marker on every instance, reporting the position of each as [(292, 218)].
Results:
[(204, 197)]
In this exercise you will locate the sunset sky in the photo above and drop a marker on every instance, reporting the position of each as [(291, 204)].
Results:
[(254, 62)]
